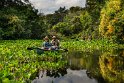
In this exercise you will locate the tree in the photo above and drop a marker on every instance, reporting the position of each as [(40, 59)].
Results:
[(75, 9), (76, 26), (86, 20), (63, 28), (112, 23), (19, 20)]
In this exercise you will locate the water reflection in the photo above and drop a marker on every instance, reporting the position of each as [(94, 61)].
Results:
[(112, 65), (87, 60), (72, 76), (95, 66)]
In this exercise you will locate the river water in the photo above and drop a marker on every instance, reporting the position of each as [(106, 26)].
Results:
[(90, 66)]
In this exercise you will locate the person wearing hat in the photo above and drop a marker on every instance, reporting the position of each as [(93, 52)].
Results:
[(46, 44), (55, 43)]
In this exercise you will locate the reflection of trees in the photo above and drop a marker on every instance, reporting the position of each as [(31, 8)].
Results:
[(49, 72), (57, 73), (75, 60), (85, 60), (112, 66)]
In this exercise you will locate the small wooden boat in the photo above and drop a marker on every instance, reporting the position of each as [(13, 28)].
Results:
[(41, 51)]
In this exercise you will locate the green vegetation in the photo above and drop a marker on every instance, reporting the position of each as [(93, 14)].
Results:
[(19, 20), (111, 25), (99, 19), (90, 44), (17, 64)]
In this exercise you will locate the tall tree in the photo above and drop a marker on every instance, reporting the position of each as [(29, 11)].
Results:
[(112, 22), (19, 20)]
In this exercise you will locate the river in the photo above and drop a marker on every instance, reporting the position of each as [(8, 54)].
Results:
[(90, 66)]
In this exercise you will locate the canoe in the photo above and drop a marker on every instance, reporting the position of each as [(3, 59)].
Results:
[(41, 51)]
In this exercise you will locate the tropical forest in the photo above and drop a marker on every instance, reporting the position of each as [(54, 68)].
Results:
[(90, 46)]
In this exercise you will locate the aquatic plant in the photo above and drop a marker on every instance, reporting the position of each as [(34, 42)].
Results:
[(17, 64)]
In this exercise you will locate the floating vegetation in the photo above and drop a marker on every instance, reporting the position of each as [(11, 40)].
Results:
[(17, 64)]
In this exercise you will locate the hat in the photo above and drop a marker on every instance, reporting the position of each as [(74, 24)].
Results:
[(54, 37), (46, 38)]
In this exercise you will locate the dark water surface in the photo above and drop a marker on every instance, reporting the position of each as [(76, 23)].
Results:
[(91, 66)]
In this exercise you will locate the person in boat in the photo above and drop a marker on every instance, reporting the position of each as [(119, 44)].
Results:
[(46, 44), (55, 43)]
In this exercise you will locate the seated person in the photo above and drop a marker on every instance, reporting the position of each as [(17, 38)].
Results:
[(55, 43), (46, 44)]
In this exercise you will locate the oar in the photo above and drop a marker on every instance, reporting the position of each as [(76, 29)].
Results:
[(32, 48), (38, 50), (64, 49)]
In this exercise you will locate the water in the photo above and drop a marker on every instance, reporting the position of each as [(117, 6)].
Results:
[(93, 66)]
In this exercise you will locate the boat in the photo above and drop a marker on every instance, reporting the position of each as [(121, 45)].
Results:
[(41, 51)]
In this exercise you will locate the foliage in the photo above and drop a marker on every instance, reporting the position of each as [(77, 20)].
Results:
[(76, 26), (86, 20), (90, 44), (58, 16), (111, 25), (99, 19), (17, 64), (75, 9), (81, 23), (71, 24), (20, 20), (63, 28)]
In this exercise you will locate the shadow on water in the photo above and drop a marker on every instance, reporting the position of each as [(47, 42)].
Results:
[(93, 66)]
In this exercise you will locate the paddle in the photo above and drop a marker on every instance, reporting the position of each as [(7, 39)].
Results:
[(32, 48), (38, 50)]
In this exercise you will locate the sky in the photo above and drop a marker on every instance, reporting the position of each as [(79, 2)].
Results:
[(49, 6)]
